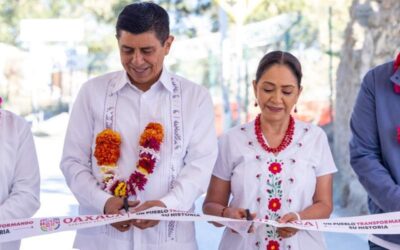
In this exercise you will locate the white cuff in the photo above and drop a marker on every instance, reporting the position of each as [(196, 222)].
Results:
[(170, 201), (99, 200)]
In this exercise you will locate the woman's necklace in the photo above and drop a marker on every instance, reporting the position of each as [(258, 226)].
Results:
[(287, 139)]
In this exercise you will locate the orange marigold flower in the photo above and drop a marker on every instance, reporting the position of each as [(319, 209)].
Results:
[(152, 130), (107, 149)]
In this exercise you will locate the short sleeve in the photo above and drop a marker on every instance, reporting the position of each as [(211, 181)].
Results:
[(223, 165), (325, 164)]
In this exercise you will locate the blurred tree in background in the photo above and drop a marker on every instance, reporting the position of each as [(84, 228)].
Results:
[(219, 45), (370, 38)]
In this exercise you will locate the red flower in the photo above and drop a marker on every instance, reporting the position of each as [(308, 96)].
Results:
[(275, 167), (114, 185), (273, 245), (130, 188), (152, 143), (145, 155), (137, 180), (148, 164), (274, 204)]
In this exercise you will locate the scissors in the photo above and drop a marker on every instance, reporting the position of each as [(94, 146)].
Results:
[(249, 218), (126, 205)]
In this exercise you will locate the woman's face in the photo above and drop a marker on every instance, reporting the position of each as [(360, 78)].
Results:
[(276, 92)]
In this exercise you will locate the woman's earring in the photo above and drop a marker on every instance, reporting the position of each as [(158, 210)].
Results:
[(255, 104), (295, 109)]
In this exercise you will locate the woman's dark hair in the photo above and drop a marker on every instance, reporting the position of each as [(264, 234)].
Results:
[(141, 17), (283, 58)]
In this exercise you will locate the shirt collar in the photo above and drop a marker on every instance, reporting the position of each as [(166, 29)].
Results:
[(165, 80)]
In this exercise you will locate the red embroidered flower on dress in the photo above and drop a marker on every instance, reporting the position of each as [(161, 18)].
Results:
[(274, 204), (273, 245), (275, 167)]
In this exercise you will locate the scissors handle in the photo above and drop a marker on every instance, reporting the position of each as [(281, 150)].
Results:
[(248, 215), (126, 205)]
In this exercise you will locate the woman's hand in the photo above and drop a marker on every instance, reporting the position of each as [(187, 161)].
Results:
[(238, 213), (234, 213), (287, 232)]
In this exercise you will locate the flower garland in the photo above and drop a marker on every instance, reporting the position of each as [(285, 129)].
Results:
[(107, 153)]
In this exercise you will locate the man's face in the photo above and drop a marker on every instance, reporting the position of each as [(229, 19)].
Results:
[(142, 56)]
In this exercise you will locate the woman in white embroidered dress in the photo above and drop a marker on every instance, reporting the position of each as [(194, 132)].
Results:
[(19, 172), (277, 167)]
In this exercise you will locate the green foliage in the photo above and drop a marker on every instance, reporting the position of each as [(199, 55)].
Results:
[(269, 8)]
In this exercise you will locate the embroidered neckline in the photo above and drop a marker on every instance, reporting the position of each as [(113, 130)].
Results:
[(107, 153), (287, 139)]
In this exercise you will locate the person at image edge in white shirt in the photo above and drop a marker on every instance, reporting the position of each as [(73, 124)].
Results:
[(125, 102), (19, 172)]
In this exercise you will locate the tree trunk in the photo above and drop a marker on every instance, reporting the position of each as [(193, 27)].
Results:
[(371, 38)]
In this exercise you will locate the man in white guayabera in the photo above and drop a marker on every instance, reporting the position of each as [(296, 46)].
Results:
[(19, 172), (140, 138)]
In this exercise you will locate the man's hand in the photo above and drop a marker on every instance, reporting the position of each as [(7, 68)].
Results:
[(143, 224), (114, 206)]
